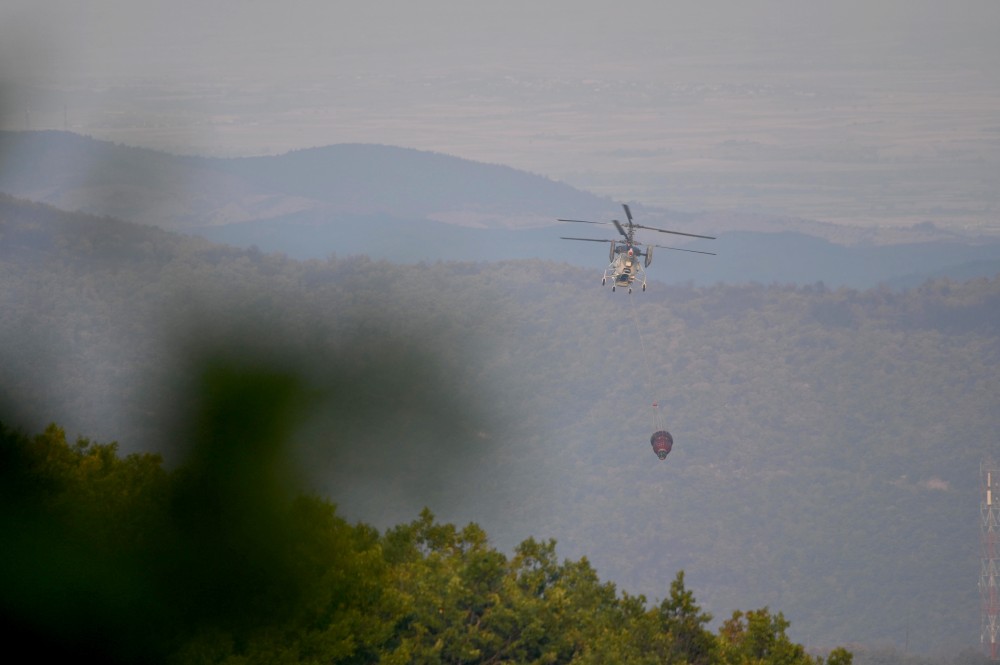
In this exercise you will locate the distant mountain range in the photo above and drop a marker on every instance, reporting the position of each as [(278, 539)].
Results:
[(826, 442), (329, 184), (408, 206)]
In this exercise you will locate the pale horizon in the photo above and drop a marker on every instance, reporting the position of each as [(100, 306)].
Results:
[(874, 114)]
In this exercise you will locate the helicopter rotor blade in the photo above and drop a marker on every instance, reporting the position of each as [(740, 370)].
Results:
[(678, 249), (585, 239), (628, 213), (676, 233), (620, 228), (580, 221)]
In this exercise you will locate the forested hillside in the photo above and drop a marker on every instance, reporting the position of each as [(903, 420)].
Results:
[(222, 560), (826, 441)]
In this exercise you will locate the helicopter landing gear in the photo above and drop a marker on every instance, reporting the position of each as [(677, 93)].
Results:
[(604, 280), (630, 289), (643, 287), (612, 288)]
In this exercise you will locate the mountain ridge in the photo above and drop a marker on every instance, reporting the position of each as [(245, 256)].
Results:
[(408, 205)]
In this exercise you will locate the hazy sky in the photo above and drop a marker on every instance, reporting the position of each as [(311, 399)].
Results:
[(856, 111), (241, 38)]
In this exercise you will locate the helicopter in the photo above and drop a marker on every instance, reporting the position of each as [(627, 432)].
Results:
[(624, 254)]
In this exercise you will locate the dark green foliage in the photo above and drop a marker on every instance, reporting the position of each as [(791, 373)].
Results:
[(78, 524), (119, 560), (684, 620), (232, 497), (758, 637)]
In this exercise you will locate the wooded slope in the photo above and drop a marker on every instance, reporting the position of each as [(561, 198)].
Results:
[(827, 442)]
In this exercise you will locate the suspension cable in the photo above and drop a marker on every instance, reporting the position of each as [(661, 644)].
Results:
[(642, 345), (657, 415)]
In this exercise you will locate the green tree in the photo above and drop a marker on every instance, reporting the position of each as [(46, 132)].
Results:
[(839, 656), (758, 637), (683, 619), (78, 523)]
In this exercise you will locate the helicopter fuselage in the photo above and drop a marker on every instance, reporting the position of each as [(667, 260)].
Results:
[(624, 253), (625, 268)]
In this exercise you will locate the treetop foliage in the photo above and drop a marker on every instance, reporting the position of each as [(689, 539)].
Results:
[(121, 560)]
